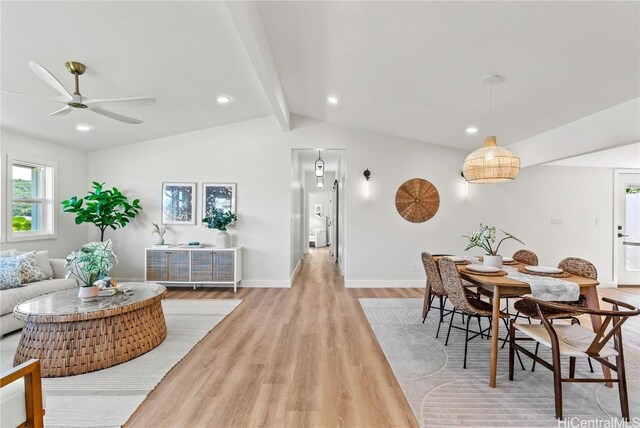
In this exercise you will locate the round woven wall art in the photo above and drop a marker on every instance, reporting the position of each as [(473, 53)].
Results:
[(417, 200)]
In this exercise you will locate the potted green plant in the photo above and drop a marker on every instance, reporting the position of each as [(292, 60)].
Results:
[(220, 219), (88, 264), (105, 208), (485, 237)]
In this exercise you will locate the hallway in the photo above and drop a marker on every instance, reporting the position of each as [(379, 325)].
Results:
[(304, 356)]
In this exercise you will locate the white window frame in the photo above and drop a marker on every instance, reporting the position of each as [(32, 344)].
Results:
[(48, 201)]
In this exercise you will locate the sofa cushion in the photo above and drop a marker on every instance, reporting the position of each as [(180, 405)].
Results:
[(44, 263), (29, 269), (10, 298), (8, 253), (9, 273)]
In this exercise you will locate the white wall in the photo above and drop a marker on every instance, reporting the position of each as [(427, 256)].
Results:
[(297, 214), (579, 201), (250, 154), (380, 248), (71, 180)]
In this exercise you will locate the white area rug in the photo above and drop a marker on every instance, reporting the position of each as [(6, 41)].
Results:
[(442, 393), (108, 398)]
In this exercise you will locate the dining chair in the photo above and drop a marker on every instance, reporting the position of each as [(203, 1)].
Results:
[(433, 289), (527, 257), (465, 303), (575, 266), (575, 341)]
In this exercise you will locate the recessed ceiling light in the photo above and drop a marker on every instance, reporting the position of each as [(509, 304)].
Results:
[(83, 127), (223, 99), (332, 100), (472, 130)]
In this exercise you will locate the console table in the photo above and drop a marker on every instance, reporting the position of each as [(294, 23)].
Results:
[(194, 266)]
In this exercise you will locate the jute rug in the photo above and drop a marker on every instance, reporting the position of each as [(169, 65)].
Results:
[(442, 393), (107, 398)]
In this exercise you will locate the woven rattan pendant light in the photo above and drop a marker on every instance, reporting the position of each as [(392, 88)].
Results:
[(491, 163)]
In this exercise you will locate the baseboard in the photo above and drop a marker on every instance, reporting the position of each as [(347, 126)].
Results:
[(265, 283), (295, 271), (247, 283), (608, 284), (386, 283)]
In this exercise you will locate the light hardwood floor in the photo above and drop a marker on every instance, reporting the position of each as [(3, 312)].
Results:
[(304, 356)]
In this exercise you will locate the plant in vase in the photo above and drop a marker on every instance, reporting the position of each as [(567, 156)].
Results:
[(105, 208), (159, 230), (485, 237), (89, 264), (220, 219)]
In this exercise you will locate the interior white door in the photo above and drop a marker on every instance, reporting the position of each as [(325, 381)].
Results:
[(627, 228)]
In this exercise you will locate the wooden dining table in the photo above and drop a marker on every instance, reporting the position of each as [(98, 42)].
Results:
[(503, 285)]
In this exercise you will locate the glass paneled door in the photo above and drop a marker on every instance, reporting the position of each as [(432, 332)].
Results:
[(627, 225)]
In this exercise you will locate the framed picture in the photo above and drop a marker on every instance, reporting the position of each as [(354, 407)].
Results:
[(317, 209), (179, 203), (218, 195)]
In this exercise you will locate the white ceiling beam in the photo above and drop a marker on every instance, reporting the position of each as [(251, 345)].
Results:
[(247, 20), (614, 127)]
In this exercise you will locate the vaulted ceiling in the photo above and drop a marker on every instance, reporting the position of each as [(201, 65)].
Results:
[(411, 69), (185, 54)]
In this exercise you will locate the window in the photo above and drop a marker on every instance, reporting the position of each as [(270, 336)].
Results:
[(30, 210)]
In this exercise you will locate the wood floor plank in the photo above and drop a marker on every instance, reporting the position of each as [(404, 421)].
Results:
[(304, 356)]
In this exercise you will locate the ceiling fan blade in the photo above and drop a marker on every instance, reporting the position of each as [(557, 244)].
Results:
[(124, 102), (116, 116), (21, 94), (49, 79), (62, 112)]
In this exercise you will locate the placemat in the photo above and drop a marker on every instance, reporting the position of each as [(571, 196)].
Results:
[(473, 272), (551, 275)]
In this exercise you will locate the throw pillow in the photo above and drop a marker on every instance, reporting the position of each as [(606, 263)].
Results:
[(29, 270), (9, 273), (44, 263)]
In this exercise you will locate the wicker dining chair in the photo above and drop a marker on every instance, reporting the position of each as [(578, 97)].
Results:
[(433, 289), (572, 265), (464, 303), (575, 341), (527, 257)]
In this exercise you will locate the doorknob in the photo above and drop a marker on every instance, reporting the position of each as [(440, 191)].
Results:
[(620, 235)]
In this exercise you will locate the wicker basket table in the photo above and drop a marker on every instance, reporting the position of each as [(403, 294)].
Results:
[(70, 337)]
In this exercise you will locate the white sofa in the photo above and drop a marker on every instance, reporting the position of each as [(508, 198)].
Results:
[(12, 297)]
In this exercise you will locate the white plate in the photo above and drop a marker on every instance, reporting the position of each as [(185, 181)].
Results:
[(483, 268), (507, 259), (457, 259), (543, 269)]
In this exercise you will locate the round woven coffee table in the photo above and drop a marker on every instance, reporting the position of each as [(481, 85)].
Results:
[(70, 337)]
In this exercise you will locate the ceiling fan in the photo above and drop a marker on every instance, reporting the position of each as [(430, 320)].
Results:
[(77, 101)]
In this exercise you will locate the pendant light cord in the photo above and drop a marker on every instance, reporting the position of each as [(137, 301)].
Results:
[(490, 109)]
